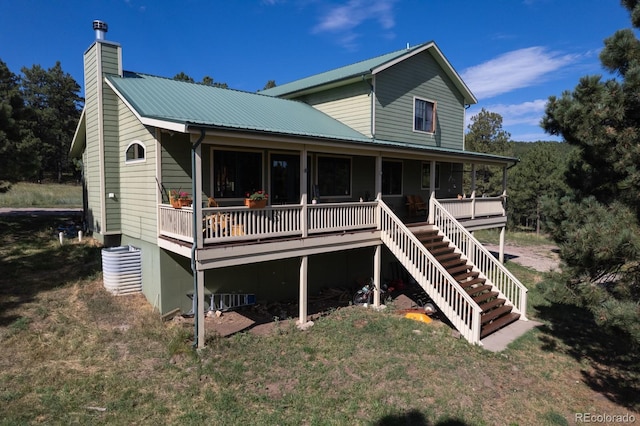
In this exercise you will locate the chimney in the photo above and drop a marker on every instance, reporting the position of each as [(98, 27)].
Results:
[(101, 28)]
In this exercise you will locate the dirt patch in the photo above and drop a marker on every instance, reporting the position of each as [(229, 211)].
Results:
[(543, 258)]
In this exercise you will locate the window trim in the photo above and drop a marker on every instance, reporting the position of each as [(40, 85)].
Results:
[(234, 149), (389, 160), (437, 183), (317, 175), (142, 159), (433, 115)]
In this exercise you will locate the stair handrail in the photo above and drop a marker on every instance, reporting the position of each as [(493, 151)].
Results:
[(495, 272), (452, 300)]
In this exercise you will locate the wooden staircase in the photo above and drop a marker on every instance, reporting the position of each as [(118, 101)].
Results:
[(496, 312)]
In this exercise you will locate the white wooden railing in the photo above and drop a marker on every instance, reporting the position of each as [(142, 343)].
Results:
[(226, 224), (472, 208), (453, 301), (488, 266)]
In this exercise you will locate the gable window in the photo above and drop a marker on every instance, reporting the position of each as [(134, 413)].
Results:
[(135, 153), (426, 176), (236, 172), (424, 115), (334, 176), (391, 177)]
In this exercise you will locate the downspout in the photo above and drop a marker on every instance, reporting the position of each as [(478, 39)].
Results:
[(194, 246)]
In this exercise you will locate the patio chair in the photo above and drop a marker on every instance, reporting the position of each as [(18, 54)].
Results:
[(415, 205)]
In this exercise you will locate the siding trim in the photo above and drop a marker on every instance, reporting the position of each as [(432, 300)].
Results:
[(100, 105)]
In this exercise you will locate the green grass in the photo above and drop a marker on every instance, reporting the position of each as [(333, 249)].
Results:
[(70, 353), (492, 236), (26, 194)]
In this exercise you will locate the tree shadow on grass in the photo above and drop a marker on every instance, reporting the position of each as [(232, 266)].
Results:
[(612, 366), (32, 261), (415, 418)]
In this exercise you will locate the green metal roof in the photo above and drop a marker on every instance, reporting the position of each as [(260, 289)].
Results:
[(180, 102), (354, 70), (366, 68), (169, 102)]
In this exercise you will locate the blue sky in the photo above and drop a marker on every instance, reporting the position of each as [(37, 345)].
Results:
[(513, 54)]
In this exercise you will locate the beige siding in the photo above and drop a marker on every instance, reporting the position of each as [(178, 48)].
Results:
[(395, 90), (350, 105)]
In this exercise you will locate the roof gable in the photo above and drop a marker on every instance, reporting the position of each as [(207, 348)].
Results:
[(350, 73)]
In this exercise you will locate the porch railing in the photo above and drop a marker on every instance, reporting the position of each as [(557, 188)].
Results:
[(471, 208), (486, 263), (226, 224), (455, 303)]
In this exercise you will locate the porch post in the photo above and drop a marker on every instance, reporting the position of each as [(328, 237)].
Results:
[(304, 176), (504, 213), (378, 177), (432, 188), (501, 253), (200, 313), (197, 195), (302, 303), (473, 191), (376, 275)]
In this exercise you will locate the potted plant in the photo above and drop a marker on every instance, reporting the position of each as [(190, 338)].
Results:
[(179, 199), (256, 200)]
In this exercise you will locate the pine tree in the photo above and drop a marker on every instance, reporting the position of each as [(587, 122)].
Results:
[(597, 224)]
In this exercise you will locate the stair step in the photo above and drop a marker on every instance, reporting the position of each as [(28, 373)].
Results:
[(462, 268), (491, 304), (495, 313), (434, 245), (472, 282), (447, 256), (464, 276), (485, 296), (498, 324), (428, 235), (453, 263), (441, 250), (475, 290)]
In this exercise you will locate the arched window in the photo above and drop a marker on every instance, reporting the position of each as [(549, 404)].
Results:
[(135, 153)]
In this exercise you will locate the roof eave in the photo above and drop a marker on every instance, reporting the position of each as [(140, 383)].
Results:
[(79, 137)]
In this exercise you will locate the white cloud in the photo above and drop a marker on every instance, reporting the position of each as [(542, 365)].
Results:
[(521, 120), (344, 19), (514, 70)]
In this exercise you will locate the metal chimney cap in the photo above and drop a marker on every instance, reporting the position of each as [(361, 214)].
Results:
[(100, 25)]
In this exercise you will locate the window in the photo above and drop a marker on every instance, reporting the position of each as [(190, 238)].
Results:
[(426, 176), (391, 177), (236, 172), (424, 113), (334, 176), (134, 153)]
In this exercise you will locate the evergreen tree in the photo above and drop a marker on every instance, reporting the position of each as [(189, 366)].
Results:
[(538, 175), (52, 97), (597, 224), (487, 136), (17, 142)]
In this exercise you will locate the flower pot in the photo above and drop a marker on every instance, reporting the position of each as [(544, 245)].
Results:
[(185, 203), (175, 203), (255, 204)]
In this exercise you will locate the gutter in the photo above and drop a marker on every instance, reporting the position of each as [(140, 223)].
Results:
[(194, 246)]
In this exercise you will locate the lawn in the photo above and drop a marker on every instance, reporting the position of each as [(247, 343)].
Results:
[(71, 353), (27, 194)]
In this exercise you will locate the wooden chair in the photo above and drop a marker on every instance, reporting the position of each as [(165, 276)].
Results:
[(415, 205), (420, 204)]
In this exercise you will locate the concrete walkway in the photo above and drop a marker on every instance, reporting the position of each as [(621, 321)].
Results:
[(499, 340)]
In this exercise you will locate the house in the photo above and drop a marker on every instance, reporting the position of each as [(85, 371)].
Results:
[(338, 153)]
